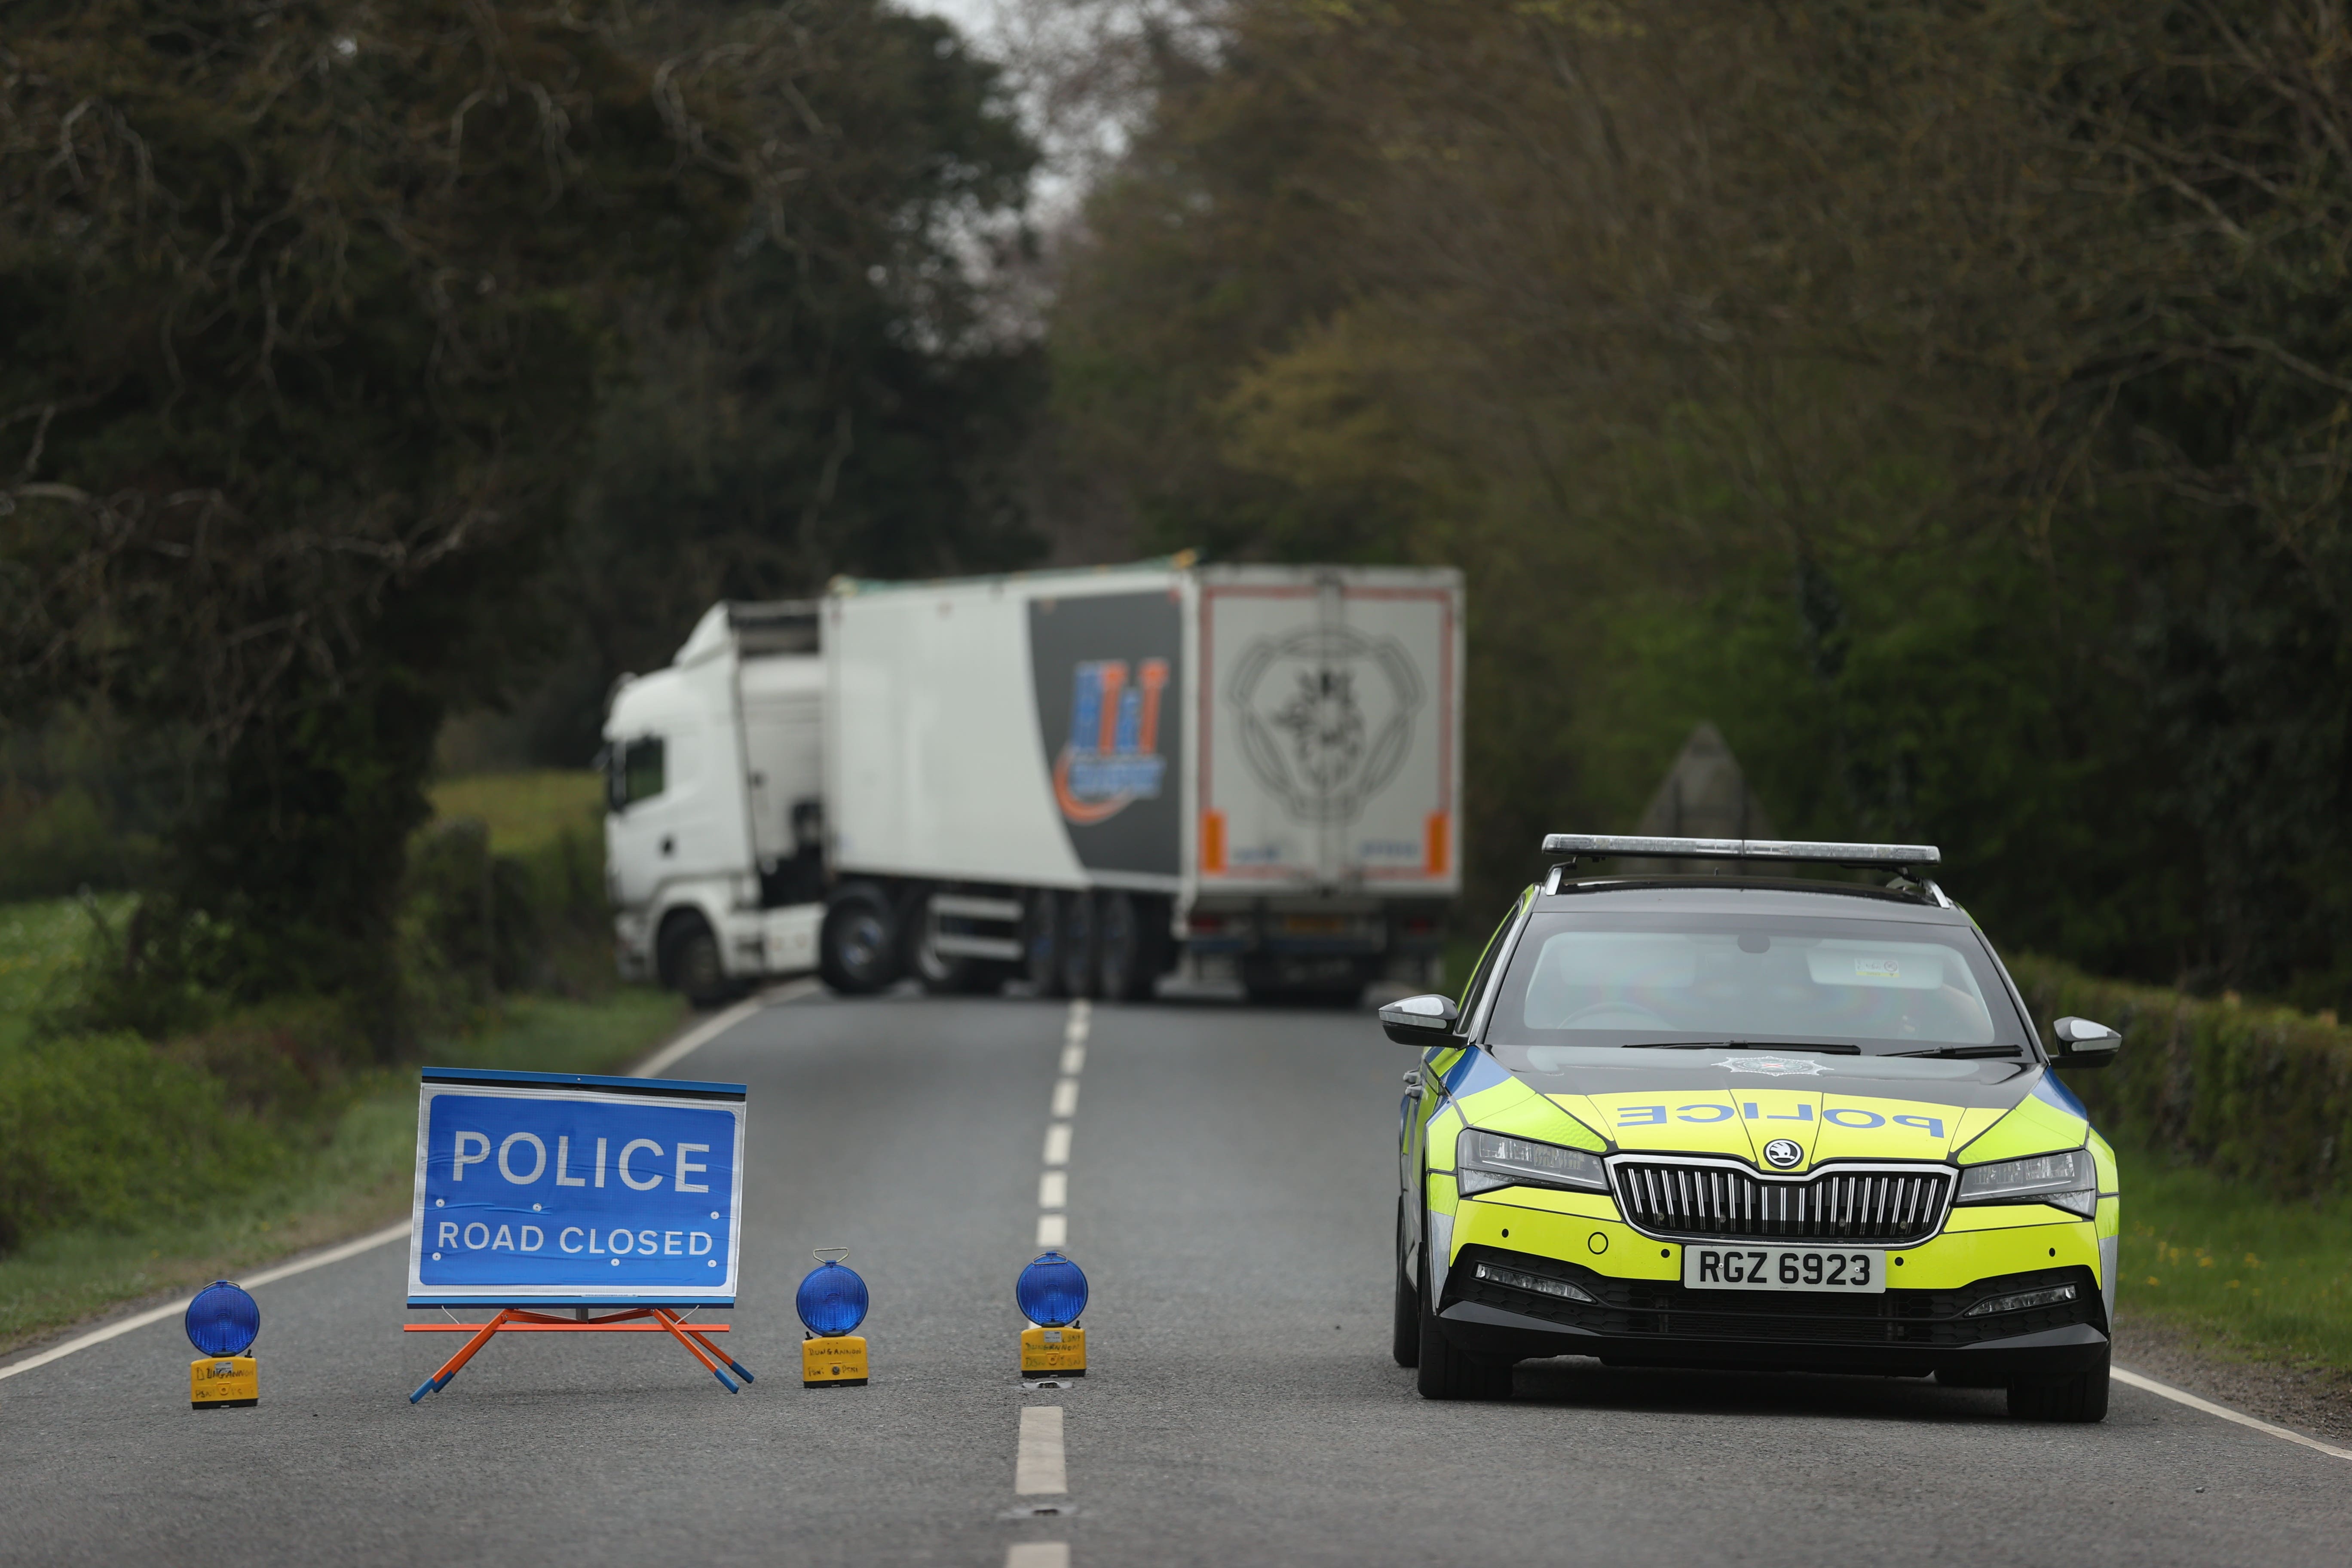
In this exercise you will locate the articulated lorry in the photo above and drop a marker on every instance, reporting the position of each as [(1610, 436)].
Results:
[(1084, 780)]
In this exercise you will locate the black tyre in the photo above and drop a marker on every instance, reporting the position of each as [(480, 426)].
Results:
[(1134, 940), (1081, 946), (942, 974), (857, 951), (1041, 944), (2068, 1396), (1445, 1371), (1404, 1337), (690, 961)]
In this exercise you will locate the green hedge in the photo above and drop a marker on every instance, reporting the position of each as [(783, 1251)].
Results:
[(2262, 1094), (108, 1130)]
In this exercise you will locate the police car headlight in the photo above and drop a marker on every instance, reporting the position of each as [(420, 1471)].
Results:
[(2069, 1180), (1485, 1161)]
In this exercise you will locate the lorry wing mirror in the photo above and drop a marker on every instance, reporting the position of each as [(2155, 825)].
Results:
[(1419, 1020), (2084, 1044)]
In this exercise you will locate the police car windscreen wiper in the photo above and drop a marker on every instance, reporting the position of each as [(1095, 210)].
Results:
[(1833, 1050), (1964, 1051)]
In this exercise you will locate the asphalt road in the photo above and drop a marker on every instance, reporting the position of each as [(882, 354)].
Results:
[(1230, 1192)]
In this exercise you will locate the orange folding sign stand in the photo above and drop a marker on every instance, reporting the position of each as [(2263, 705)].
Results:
[(521, 1320)]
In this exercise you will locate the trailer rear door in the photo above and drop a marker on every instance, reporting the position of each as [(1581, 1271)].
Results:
[(1329, 718)]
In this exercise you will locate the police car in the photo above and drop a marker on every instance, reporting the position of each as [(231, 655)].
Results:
[(1740, 1121)]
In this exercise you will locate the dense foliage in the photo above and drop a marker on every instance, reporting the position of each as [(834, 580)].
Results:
[(318, 320), (1945, 399)]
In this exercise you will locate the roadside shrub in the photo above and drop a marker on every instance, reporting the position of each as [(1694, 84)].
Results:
[(108, 1130), (2262, 1094)]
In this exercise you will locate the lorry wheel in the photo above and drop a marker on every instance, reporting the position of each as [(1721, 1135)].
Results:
[(1130, 955), (1081, 945), (1041, 942), (857, 951), (690, 961)]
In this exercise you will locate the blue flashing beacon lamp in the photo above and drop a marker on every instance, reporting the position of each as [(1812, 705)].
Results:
[(222, 1321), (1052, 1292), (832, 1302)]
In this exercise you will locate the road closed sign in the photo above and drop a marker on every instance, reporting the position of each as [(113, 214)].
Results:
[(555, 1189)]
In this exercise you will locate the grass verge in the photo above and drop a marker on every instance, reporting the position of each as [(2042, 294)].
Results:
[(359, 1180), (2247, 1274), (525, 811)]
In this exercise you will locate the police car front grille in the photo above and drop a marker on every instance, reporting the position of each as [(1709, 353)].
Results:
[(1892, 1205)]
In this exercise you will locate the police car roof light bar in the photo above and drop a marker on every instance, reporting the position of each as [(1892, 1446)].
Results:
[(1606, 845)]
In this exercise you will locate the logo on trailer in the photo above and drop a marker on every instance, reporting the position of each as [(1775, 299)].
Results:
[(1112, 757), (1783, 1153), (1324, 717)]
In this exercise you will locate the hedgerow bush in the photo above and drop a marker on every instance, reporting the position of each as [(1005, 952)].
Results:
[(2260, 1094)]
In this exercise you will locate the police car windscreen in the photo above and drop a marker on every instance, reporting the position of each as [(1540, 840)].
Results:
[(1881, 987)]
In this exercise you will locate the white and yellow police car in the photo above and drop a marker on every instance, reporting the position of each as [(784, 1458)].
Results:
[(1738, 1122)]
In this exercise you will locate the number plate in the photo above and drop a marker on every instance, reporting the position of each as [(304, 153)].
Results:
[(1841, 1271)]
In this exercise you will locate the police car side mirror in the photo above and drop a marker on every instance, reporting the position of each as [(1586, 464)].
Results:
[(2083, 1044), (1419, 1020)]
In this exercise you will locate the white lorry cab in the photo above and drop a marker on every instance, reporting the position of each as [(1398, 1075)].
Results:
[(1081, 779)]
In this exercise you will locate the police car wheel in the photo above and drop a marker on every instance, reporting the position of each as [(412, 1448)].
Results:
[(1445, 1373), (2069, 1396), (1404, 1336)]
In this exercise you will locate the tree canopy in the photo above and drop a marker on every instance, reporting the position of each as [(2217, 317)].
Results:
[(1944, 399)]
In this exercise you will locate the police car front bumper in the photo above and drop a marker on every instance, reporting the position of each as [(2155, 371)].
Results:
[(1661, 1322)]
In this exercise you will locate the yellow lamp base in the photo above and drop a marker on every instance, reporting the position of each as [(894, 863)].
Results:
[(220, 1381), (1052, 1353), (837, 1361)]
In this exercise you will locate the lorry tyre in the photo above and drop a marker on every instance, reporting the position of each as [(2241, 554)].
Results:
[(1041, 944), (1132, 937), (857, 950), (1081, 945), (690, 961)]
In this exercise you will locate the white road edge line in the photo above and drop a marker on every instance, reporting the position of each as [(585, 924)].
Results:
[(1039, 1471), (368, 1243), (1037, 1555), (668, 1056), (2178, 1396)]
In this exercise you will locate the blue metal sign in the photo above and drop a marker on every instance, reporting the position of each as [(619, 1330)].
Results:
[(555, 1189)]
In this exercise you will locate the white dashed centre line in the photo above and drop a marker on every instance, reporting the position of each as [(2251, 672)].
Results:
[(1040, 1471)]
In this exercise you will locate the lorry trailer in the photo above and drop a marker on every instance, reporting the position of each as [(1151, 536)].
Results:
[(1080, 779)]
